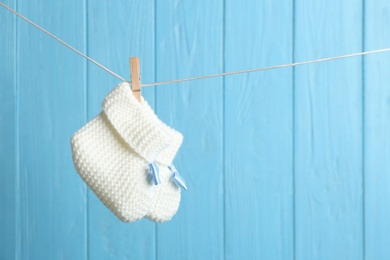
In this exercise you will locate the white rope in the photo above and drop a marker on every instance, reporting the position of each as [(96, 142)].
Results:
[(64, 43), (199, 77), (267, 68)]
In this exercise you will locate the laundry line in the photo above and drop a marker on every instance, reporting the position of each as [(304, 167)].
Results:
[(356, 54)]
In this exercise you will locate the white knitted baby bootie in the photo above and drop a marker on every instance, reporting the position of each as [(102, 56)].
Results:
[(112, 153)]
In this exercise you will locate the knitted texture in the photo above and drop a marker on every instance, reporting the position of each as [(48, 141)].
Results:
[(112, 152), (166, 199)]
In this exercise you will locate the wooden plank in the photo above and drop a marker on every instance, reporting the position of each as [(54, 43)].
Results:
[(258, 134), (189, 42), (376, 131), (8, 134), (117, 31), (52, 106), (328, 131)]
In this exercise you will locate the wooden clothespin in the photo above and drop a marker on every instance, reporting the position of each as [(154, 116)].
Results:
[(135, 77)]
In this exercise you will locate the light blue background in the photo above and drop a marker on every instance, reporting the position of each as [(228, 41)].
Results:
[(291, 163)]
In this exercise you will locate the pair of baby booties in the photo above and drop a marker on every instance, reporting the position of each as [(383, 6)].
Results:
[(114, 152)]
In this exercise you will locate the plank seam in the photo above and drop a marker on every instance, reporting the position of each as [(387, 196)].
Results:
[(293, 135), (223, 130), (363, 137), (18, 244)]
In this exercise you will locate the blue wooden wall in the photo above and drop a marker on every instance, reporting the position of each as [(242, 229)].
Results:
[(291, 163)]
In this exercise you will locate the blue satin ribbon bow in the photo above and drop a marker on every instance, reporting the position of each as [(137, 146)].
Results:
[(155, 173), (177, 178)]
